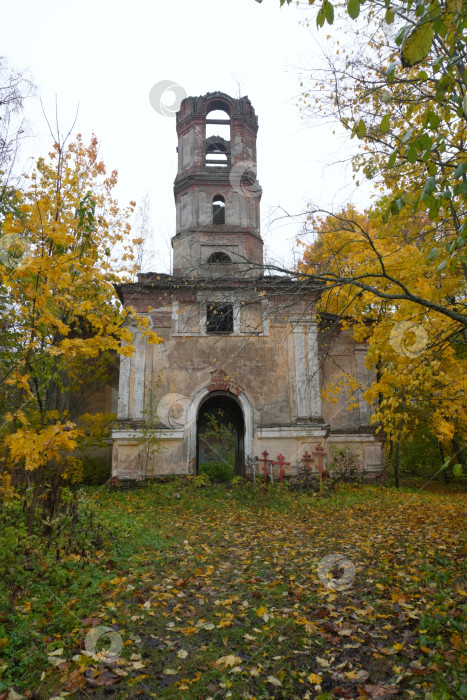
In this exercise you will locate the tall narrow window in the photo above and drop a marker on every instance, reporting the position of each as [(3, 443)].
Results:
[(217, 135), (218, 123), (218, 209), (219, 318)]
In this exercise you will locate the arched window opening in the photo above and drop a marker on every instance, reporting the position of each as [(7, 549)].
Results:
[(218, 123), (219, 257), (217, 152), (218, 209)]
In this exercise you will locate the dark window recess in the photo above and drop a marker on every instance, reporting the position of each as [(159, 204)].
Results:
[(219, 257), (219, 318), (218, 209)]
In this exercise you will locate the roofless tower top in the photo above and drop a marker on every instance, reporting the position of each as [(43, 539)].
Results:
[(217, 195)]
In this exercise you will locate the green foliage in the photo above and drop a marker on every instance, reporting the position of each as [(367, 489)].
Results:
[(412, 90), (219, 470), (416, 46), (41, 572), (345, 465), (96, 471), (150, 429), (218, 441), (200, 480)]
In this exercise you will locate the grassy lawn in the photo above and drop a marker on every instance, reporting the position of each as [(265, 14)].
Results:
[(217, 592)]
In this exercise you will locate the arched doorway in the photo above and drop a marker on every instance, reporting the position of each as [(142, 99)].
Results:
[(220, 432)]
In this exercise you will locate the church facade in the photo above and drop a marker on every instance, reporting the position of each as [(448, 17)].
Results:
[(234, 338)]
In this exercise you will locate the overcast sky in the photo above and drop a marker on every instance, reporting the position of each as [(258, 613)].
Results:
[(104, 57)]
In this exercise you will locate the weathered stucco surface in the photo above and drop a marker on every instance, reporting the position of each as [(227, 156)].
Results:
[(274, 361)]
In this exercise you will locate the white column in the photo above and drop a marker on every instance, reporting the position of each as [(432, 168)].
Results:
[(123, 410), (300, 371), (365, 377), (139, 363), (313, 370)]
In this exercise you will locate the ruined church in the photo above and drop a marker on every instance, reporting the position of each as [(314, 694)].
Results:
[(235, 338)]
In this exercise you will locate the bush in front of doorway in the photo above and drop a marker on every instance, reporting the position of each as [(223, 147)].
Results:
[(96, 471), (218, 470)]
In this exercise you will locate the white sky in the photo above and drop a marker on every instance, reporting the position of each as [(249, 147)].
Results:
[(105, 56)]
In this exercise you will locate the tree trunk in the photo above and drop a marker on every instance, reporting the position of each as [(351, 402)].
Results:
[(396, 466), (445, 471), (458, 451)]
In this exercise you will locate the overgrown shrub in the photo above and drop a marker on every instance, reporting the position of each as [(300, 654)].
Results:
[(200, 480), (345, 464), (219, 470), (95, 471)]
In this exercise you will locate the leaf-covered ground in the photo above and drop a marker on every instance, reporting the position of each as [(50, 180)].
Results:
[(216, 593)]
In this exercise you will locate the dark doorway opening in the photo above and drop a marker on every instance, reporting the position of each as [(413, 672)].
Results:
[(220, 433)]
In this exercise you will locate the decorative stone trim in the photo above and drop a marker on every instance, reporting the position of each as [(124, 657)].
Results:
[(220, 381), (292, 432), (137, 434)]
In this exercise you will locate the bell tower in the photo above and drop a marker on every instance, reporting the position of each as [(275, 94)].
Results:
[(217, 195)]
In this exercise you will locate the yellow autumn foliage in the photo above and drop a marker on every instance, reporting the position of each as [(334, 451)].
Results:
[(62, 323), (381, 283)]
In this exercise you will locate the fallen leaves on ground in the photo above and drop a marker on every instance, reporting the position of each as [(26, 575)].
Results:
[(232, 605)]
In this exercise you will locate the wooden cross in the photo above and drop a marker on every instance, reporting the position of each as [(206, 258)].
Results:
[(265, 467), (282, 463), (320, 453)]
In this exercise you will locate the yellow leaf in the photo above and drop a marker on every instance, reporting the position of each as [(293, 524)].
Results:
[(230, 660), (315, 678), (273, 680)]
